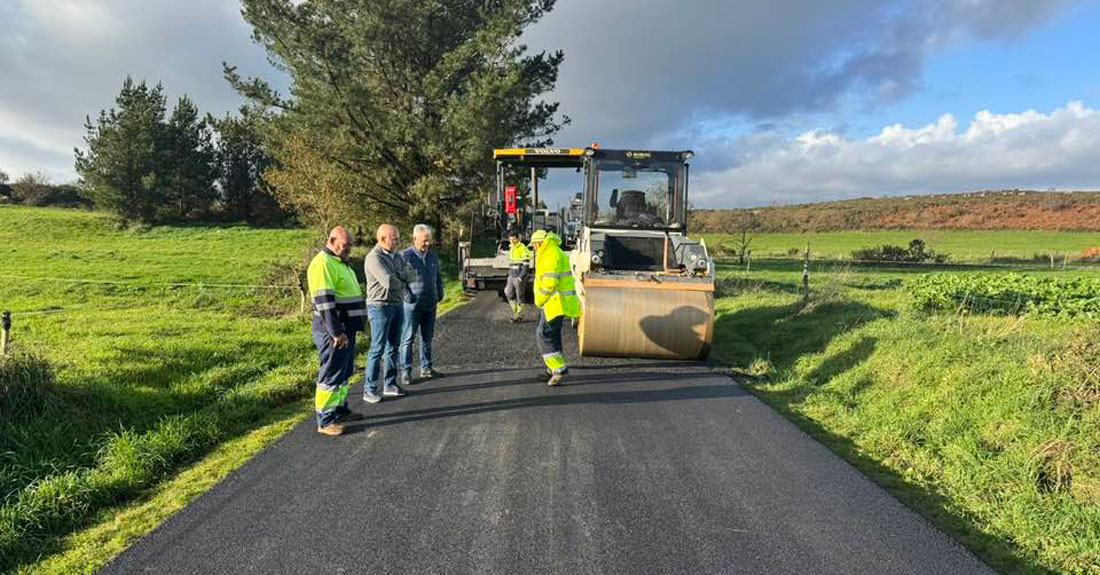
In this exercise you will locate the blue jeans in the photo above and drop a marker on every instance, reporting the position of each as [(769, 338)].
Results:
[(385, 335), (422, 320)]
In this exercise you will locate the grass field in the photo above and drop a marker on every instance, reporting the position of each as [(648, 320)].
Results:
[(122, 383), (961, 246), (138, 395), (989, 426)]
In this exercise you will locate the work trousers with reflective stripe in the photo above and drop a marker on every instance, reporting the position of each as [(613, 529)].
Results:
[(337, 365), (548, 335)]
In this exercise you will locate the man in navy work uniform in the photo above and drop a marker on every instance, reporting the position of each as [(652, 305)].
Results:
[(426, 285), (387, 288), (338, 311)]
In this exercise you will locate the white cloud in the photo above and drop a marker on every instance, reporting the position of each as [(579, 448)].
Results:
[(1025, 150)]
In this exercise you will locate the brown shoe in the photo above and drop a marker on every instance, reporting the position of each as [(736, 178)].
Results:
[(332, 429), (556, 379)]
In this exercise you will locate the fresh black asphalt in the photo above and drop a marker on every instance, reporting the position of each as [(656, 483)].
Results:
[(633, 467)]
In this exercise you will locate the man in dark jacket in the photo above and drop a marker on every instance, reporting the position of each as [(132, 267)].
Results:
[(426, 285)]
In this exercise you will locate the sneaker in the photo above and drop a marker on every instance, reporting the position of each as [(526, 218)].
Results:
[(332, 429), (349, 417), (393, 391), (556, 379), (429, 374), (405, 379), (371, 396)]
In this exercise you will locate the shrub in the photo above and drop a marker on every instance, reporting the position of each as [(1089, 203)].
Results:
[(917, 252)]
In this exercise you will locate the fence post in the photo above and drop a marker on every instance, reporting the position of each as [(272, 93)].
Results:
[(6, 343), (806, 275)]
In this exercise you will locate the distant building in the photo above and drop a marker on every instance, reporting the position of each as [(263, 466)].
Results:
[(6, 193)]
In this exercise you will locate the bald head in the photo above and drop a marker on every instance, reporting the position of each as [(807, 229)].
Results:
[(387, 237), (339, 241)]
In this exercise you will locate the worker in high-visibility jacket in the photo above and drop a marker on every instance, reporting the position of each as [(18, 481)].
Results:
[(339, 311), (556, 296), (519, 265)]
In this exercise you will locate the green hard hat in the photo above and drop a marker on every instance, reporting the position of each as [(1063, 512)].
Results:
[(538, 236)]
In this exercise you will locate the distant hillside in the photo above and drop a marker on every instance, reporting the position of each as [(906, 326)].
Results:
[(1001, 210)]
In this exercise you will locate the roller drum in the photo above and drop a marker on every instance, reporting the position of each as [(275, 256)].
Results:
[(640, 319)]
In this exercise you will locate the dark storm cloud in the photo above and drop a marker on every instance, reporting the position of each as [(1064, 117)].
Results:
[(637, 73), (648, 73)]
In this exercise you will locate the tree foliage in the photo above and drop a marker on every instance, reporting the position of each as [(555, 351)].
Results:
[(189, 164), (121, 169), (147, 167), (396, 105), (241, 158)]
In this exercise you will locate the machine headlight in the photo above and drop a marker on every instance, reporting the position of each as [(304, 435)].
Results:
[(701, 265), (590, 152), (687, 155), (596, 259)]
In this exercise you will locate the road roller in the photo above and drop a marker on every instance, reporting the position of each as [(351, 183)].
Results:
[(647, 289)]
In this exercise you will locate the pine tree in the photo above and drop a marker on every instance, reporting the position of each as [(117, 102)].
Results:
[(188, 164), (401, 100), (120, 171)]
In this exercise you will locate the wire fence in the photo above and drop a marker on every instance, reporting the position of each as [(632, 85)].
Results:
[(150, 284), (1021, 265)]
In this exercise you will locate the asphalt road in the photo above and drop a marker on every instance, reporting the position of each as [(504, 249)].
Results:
[(633, 467)]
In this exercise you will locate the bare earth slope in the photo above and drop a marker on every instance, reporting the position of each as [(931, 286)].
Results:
[(1002, 210)]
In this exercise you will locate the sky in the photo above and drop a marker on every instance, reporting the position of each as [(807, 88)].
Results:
[(784, 101)]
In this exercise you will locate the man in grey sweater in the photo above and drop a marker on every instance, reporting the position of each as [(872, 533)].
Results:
[(387, 290)]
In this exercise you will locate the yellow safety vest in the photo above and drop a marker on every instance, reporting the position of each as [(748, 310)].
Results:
[(555, 291), (337, 298), (519, 254)]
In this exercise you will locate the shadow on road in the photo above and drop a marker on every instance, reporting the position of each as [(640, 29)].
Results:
[(624, 395)]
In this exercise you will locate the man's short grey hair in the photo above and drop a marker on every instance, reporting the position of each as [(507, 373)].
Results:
[(419, 229)]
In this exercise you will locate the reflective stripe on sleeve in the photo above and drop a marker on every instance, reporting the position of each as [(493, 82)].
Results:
[(324, 306)]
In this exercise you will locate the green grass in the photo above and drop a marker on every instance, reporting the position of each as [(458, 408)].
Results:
[(961, 246), (987, 425), (115, 528), (146, 377)]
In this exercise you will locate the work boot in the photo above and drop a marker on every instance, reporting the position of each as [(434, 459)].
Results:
[(556, 379), (332, 430), (393, 391), (545, 375), (370, 395)]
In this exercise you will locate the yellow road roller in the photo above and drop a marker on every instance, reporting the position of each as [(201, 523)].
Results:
[(646, 288)]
